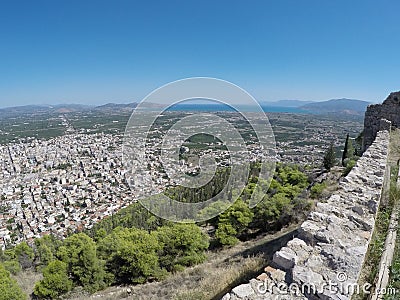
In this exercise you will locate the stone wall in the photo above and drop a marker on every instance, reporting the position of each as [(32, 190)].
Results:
[(389, 110), (325, 260)]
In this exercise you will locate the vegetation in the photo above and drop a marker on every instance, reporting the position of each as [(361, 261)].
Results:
[(348, 152), (317, 189), (9, 289), (78, 252), (131, 255), (394, 282), (182, 245), (233, 222), (349, 165), (55, 281), (330, 158), (134, 246)]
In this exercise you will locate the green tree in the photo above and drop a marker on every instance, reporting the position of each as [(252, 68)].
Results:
[(9, 289), (12, 266), (183, 245), (55, 281), (79, 253), (22, 253), (297, 178), (233, 222), (213, 210), (100, 234), (44, 254), (46, 249), (131, 255), (330, 158), (348, 152), (273, 212)]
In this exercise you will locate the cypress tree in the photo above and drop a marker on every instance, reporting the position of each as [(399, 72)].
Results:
[(330, 158), (346, 145), (348, 151)]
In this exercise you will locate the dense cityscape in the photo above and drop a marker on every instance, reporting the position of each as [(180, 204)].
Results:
[(63, 184)]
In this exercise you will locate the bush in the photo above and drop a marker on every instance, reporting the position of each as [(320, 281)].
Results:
[(317, 189), (349, 165), (9, 289), (183, 245), (79, 253), (131, 255), (12, 266), (55, 281), (233, 222)]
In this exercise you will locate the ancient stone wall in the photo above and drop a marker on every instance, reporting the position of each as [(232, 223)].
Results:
[(389, 110), (325, 260)]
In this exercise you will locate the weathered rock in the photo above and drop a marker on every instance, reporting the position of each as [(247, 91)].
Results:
[(226, 297), (269, 270), (262, 277), (244, 290), (304, 275), (372, 206), (308, 230), (278, 276), (356, 251), (361, 223), (358, 209), (285, 258), (381, 117)]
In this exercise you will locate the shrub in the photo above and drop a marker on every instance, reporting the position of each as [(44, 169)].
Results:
[(55, 281), (317, 189)]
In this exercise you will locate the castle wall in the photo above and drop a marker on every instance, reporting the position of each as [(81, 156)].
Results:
[(389, 110), (329, 253)]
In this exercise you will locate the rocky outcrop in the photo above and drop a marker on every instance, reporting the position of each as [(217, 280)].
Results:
[(325, 260), (389, 110)]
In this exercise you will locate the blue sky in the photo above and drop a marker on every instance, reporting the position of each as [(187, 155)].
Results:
[(95, 52)]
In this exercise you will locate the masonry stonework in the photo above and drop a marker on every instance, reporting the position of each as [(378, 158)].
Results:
[(325, 260), (389, 110)]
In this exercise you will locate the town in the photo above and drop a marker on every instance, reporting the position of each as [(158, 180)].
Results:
[(63, 184)]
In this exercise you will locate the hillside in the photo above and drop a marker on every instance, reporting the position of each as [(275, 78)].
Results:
[(287, 103), (347, 106)]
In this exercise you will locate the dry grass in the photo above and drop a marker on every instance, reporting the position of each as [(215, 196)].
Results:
[(394, 147), (217, 280), (27, 279)]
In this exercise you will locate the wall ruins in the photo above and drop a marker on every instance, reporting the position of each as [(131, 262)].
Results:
[(388, 110), (325, 260)]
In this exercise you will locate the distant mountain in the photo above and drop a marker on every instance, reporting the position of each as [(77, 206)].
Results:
[(287, 103), (126, 107), (69, 108), (115, 107), (347, 106), (41, 109)]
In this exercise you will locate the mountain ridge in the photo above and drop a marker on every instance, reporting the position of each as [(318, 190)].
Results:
[(343, 105)]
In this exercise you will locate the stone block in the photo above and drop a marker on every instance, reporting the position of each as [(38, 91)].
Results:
[(285, 258), (244, 290)]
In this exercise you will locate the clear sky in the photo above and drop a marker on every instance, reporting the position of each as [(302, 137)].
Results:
[(93, 52)]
